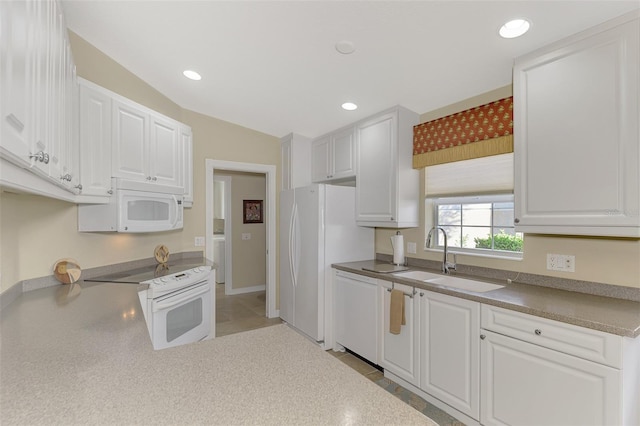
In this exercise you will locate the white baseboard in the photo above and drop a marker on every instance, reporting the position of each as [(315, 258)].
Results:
[(243, 290)]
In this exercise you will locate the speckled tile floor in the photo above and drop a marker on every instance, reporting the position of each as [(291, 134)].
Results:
[(243, 312), (376, 376)]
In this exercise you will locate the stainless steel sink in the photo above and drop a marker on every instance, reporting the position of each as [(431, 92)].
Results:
[(464, 284), (449, 281), (417, 275)]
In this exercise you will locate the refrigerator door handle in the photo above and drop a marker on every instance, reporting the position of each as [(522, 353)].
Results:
[(291, 244), (296, 246)]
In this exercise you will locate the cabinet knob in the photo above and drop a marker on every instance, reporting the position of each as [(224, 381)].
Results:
[(148, 177), (110, 192), (66, 177), (538, 332), (40, 156), (482, 337), (421, 294), (79, 187), (516, 220), (154, 179)]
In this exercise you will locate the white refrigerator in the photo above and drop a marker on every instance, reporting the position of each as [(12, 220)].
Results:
[(317, 228)]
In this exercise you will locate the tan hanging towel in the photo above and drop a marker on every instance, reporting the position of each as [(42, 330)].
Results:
[(396, 311)]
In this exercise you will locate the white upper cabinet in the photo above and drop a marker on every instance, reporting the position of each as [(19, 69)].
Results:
[(95, 134), (165, 152), (16, 23), (186, 162), (130, 142), (333, 156), (295, 156), (387, 186), (577, 149), (38, 95)]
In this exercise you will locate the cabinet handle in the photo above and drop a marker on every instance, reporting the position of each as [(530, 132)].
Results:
[(516, 220), (538, 332), (66, 177), (15, 122)]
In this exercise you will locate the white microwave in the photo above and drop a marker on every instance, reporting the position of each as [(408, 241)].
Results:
[(135, 207)]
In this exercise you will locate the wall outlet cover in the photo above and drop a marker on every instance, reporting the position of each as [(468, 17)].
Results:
[(199, 242)]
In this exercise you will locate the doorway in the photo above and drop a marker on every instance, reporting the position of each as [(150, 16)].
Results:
[(269, 214)]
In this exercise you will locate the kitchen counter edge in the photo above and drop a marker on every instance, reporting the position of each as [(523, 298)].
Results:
[(614, 316)]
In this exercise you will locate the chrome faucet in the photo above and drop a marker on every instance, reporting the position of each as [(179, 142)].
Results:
[(447, 267)]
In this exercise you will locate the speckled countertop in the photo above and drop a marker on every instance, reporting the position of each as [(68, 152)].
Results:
[(82, 355), (615, 316)]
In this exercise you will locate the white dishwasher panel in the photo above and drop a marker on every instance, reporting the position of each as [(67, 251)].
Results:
[(356, 301)]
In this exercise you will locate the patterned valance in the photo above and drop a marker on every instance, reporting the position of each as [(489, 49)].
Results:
[(478, 132)]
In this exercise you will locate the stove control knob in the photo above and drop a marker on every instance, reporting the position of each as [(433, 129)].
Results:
[(164, 280), (156, 281)]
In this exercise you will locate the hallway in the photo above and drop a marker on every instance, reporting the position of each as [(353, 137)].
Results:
[(241, 312)]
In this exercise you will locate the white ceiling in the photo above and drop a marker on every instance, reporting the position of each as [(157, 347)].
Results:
[(272, 66)]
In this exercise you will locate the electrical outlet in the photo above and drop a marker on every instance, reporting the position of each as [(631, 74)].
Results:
[(561, 262), (411, 248), (199, 242), (246, 236)]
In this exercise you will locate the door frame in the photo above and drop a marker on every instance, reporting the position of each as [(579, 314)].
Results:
[(270, 216), (228, 224)]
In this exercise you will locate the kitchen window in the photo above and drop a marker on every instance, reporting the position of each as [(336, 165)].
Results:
[(478, 224), (472, 200)]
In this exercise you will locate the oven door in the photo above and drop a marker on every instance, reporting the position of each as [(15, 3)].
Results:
[(181, 317)]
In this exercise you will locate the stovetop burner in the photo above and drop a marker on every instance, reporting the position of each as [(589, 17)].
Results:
[(137, 275)]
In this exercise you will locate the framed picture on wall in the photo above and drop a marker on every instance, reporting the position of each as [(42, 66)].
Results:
[(252, 211)]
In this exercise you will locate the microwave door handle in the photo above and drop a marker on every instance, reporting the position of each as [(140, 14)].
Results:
[(175, 211), (184, 298)]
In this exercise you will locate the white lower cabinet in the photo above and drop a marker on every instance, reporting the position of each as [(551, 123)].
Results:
[(542, 372), (356, 318), (450, 351), (400, 353), (525, 384)]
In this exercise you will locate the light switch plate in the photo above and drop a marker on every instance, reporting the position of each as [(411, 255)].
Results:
[(246, 236)]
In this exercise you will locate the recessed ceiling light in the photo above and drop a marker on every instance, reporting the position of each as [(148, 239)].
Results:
[(349, 106), (345, 47), (514, 28), (192, 75)]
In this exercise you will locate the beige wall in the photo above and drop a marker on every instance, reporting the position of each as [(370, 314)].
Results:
[(249, 256), (36, 231), (605, 260)]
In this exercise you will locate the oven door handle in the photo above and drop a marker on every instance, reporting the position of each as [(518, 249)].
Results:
[(158, 306)]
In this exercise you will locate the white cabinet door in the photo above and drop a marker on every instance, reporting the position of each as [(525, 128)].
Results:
[(343, 154), (577, 148), (450, 351), (130, 142), (16, 79), (164, 152), (525, 384), (95, 140), (387, 187), (320, 159), (356, 321), (333, 156), (400, 353), (295, 151), (376, 181), (187, 165)]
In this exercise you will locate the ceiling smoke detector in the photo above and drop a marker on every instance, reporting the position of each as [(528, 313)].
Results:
[(345, 47)]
